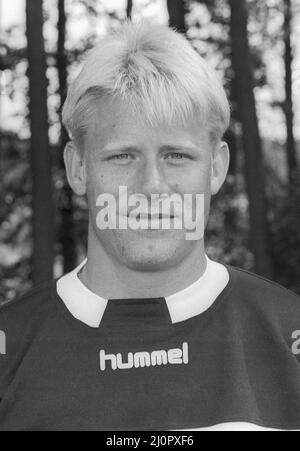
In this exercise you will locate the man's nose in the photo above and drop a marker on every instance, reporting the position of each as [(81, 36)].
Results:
[(152, 179)]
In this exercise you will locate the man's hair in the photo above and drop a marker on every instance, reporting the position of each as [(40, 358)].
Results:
[(157, 71)]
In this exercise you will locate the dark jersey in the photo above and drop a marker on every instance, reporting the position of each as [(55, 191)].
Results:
[(239, 361)]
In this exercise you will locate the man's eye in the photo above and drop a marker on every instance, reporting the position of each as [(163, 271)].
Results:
[(121, 157), (176, 156)]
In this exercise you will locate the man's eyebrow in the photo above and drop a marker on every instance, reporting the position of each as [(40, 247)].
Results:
[(164, 148), (119, 148), (178, 147)]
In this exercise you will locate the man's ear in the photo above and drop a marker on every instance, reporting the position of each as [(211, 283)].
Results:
[(75, 169), (220, 165)]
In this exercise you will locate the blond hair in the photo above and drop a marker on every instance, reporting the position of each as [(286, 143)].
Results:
[(157, 70)]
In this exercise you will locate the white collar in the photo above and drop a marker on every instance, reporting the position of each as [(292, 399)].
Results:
[(89, 308)]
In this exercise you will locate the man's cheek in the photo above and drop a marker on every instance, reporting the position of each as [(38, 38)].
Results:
[(197, 182)]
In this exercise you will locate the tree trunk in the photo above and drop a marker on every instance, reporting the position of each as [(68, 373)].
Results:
[(288, 106), (42, 200), (254, 164), (66, 227), (129, 9), (177, 10)]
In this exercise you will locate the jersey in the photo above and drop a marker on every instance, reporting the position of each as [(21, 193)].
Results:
[(239, 361)]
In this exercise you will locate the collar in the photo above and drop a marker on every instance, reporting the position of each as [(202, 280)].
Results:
[(89, 308)]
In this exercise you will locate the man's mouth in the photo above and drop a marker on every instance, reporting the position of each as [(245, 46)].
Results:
[(152, 217)]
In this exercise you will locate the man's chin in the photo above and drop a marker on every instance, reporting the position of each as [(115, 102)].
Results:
[(152, 263), (147, 250), (152, 254)]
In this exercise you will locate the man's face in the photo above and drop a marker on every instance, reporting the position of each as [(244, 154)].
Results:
[(121, 149)]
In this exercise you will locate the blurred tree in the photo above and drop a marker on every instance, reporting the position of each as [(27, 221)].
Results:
[(15, 217), (254, 162), (129, 9), (66, 224), (42, 201), (177, 10), (288, 104), (285, 212)]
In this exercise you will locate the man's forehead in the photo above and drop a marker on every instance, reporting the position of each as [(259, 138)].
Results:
[(119, 146), (122, 127), (137, 138), (114, 111)]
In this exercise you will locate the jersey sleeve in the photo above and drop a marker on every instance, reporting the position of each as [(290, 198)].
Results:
[(19, 321), (11, 333), (4, 355)]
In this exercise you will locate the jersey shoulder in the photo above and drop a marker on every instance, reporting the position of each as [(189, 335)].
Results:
[(20, 321), (265, 295), (27, 308)]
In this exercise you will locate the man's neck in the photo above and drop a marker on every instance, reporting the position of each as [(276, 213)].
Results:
[(109, 279)]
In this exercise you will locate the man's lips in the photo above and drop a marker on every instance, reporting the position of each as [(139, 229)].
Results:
[(154, 217), (147, 216)]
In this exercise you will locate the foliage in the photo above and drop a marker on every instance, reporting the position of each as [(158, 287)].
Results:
[(228, 229)]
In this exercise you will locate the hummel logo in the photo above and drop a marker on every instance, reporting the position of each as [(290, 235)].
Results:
[(175, 356), (2, 342)]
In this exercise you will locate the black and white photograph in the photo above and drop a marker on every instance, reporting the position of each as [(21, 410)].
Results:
[(150, 218)]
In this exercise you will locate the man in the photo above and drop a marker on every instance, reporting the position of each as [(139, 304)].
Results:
[(148, 332)]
